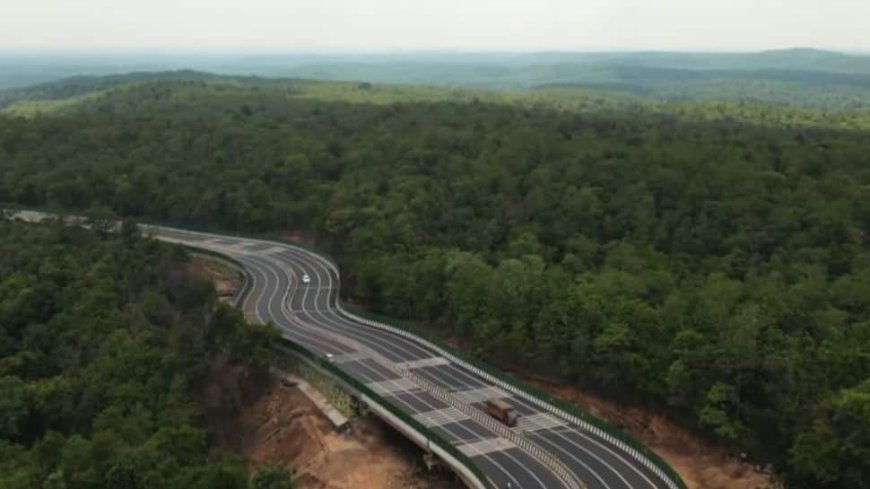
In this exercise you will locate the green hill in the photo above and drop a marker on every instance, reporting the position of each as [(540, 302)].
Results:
[(797, 77), (111, 93), (709, 260)]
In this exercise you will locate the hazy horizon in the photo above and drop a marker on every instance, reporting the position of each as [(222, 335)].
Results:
[(390, 26), (400, 52)]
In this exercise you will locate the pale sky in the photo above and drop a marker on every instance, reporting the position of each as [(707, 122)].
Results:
[(411, 25)]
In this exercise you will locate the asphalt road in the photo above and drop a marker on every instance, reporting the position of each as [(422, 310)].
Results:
[(309, 313)]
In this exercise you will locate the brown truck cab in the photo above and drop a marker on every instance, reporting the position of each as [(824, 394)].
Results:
[(502, 411)]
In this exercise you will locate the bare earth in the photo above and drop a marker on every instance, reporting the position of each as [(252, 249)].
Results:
[(226, 279), (277, 424), (284, 427), (701, 465)]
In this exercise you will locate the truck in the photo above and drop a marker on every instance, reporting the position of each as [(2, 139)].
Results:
[(501, 411)]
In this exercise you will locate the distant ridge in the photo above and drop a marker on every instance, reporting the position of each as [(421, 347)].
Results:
[(800, 76), (801, 51), (84, 84)]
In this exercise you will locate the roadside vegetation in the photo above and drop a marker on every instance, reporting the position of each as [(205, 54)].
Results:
[(105, 341), (712, 265)]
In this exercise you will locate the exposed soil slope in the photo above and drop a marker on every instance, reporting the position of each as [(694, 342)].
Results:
[(284, 427), (701, 465), (273, 423), (227, 280)]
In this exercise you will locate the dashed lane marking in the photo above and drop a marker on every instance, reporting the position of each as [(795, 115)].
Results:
[(350, 357)]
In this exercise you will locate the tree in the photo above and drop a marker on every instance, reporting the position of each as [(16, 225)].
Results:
[(835, 451), (715, 411), (13, 406), (706, 257), (100, 374), (271, 477)]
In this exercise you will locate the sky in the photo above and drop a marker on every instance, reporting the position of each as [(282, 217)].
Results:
[(432, 25)]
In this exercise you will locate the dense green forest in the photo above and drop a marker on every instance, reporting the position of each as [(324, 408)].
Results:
[(113, 93), (718, 269), (104, 344)]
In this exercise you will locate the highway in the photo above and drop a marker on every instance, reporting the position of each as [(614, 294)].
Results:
[(415, 376)]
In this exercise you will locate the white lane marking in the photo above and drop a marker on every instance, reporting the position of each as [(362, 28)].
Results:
[(558, 448), (209, 244), (269, 251), (375, 338), (392, 386), (538, 421), (424, 362), (316, 267), (487, 445), (572, 442), (259, 296), (620, 457), (236, 251), (480, 394), (423, 401), (469, 450), (350, 357), (440, 417)]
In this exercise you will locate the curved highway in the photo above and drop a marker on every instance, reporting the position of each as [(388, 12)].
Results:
[(440, 391)]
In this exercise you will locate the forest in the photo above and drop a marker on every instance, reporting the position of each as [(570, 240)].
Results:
[(105, 341), (717, 269), (795, 77), (87, 93)]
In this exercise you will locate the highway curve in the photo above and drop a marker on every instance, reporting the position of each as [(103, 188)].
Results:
[(414, 376)]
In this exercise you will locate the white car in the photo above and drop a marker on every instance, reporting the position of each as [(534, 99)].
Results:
[(306, 278), (330, 357)]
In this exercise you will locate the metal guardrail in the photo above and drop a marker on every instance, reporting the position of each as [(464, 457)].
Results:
[(566, 416), (559, 469), (669, 476), (657, 467), (562, 472), (649, 460), (433, 441), (370, 396)]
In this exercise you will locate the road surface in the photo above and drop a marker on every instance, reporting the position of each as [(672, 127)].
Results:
[(415, 377)]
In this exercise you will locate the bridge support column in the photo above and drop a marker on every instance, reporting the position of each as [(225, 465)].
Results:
[(432, 461), (359, 407)]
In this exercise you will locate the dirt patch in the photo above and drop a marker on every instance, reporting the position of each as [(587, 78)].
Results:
[(226, 279), (283, 427), (298, 237), (270, 422), (701, 465)]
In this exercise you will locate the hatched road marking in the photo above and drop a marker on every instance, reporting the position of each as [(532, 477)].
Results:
[(389, 387), (425, 362), (485, 446), (538, 421), (479, 395), (440, 417)]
